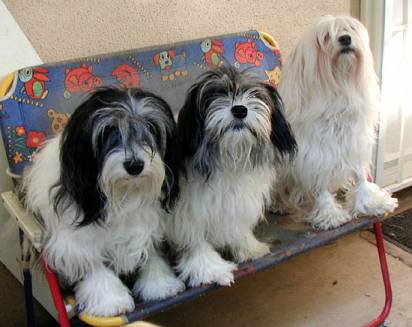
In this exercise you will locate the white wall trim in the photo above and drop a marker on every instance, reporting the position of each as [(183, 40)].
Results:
[(16, 50)]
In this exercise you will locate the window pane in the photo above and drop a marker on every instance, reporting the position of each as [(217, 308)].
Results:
[(407, 146), (392, 105), (398, 12)]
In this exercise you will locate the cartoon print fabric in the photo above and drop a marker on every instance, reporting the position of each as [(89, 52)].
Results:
[(44, 96)]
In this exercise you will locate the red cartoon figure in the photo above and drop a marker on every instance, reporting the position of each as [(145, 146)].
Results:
[(212, 52), (80, 79), (171, 65), (34, 82), (126, 75), (246, 53)]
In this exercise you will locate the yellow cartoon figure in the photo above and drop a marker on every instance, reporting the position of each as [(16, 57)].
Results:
[(273, 76), (58, 120)]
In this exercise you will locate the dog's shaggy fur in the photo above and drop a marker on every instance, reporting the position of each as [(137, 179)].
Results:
[(331, 98), (231, 133), (98, 188)]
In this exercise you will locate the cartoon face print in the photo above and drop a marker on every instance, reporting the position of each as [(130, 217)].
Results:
[(212, 52), (172, 65), (206, 45), (80, 79), (25, 74), (254, 56), (126, 75), (164, 59), (58, 120), (246, 53), (34, 80)]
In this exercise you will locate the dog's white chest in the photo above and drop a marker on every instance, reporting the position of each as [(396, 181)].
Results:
[(228, 204), (335, 145), (138, 220)]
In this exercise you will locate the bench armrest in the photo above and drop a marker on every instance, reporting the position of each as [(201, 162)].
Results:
[(32, 229)]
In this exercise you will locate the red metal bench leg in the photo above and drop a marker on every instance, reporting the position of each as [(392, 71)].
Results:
[(56, 294), (377, 227)]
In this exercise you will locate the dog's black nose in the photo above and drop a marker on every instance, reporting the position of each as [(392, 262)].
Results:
[(345, 40), (134, 167), (239, 111)]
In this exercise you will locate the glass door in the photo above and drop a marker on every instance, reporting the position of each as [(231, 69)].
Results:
[(394, 149)]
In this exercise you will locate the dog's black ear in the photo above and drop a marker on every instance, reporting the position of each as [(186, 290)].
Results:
[(190, 126), (79, 169), (281, 135), (170, 188)]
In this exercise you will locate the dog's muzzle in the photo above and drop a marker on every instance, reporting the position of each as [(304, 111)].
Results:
[(347, 50)]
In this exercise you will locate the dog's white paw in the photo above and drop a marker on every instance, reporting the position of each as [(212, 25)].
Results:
[(250, 249), (158, 288), (220, 273), (157, 280), (328, 217), (370, 199), (204, 265), (103, 294)]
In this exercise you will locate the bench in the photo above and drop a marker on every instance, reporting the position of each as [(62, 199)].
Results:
[(35, 103)]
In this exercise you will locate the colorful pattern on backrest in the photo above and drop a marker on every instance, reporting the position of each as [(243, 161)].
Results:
[(44, 96)]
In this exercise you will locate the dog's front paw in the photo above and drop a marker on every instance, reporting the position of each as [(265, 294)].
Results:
[(250, 249), (205, 266), (370, 199), (103, 294), (328, 217), (157, 280), (220, 273), (158, 288)]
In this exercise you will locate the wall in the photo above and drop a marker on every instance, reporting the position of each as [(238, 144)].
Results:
[(62, 29)]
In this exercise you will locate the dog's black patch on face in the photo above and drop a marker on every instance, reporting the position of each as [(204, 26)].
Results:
[(200, 143), (84, 151), (235, 125), (238, 125)]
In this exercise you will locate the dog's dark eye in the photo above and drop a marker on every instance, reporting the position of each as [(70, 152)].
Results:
[(110, 138), (220, 92), (326, 38)]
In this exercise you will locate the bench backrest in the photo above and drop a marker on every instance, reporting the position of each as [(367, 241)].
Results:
[(39, 100)]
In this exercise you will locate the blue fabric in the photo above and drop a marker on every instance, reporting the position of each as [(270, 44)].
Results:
[(44, 96)]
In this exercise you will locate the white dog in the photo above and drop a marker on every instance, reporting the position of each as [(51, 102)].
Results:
[(98, 188), (231, 132), (331, 99)]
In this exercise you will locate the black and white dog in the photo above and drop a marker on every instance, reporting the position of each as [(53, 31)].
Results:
[(99, 188), (231, 133)]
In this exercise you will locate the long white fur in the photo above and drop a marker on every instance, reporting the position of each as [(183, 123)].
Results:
[(332, 102), (96, 254)]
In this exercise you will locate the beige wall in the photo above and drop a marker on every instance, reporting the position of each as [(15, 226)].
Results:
[(64, 29)]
